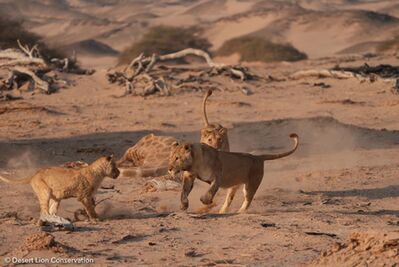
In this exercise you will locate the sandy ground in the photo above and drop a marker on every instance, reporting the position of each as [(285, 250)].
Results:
[(342, 180)]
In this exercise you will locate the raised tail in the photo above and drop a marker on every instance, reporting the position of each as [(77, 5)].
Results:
[(282, 155), (21, 181), (205, 117), (143, 172)]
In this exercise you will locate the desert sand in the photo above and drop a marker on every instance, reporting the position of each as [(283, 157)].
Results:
[(334, 202)]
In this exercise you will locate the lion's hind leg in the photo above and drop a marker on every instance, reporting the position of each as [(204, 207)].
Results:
[(251, 186), (229, 198), (89, 205), (43, 194), (247, 199)]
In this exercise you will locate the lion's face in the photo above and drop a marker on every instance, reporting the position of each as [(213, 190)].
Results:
[(180, 158), (110, 167), (214, 136)]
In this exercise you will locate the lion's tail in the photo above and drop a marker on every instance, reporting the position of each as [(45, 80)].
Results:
[(282, 155), (204, 116), (143, 172), (21, 181)]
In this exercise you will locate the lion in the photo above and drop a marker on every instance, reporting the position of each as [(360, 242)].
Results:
[(150, 155), (220, 169), (53, 184), (214, 135)]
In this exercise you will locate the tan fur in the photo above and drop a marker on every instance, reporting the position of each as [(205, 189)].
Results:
[(220, 169), (53, 184), (214, 135)]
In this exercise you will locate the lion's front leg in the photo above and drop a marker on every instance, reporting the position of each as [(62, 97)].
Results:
[(207, 198), (188, 182)]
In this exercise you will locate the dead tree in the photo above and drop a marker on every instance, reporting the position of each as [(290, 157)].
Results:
[(69, 65), (141, 72), (26, 65), (385, 73)]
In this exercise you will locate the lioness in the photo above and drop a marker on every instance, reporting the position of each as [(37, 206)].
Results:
[(213, 134), (220, 169), (53, 184)]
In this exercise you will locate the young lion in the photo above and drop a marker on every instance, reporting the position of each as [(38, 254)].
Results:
[(53, 184), (214, 135), (220, 169)]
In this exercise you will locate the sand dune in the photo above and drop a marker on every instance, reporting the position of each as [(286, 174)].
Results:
[(317, 33), (90, 47), (326, 34), (319, 28)]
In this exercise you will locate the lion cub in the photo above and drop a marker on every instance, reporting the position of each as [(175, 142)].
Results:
[(214, 135), (53, 184), (220, 169)]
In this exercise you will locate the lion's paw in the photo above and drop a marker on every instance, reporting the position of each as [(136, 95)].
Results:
[(206, 199)]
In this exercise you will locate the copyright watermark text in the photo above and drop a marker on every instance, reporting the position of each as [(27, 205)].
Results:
[(52, 260)]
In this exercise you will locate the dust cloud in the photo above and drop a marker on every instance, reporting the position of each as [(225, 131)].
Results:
[(324, 144)]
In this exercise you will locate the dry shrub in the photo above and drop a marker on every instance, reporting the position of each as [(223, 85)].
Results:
[(163, 40), (253, 48)]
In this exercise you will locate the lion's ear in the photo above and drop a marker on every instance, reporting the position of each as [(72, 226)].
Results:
[(222, 131), (110, 157), (187, 146), (175, 143)]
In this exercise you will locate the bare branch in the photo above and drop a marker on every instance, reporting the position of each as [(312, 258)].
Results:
[(193, 52), (238, 73), (39, 83), (134, 61), (152, 63), (323, 74), (26, 50)]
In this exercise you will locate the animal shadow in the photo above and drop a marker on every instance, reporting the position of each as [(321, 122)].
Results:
[(373, 193)]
